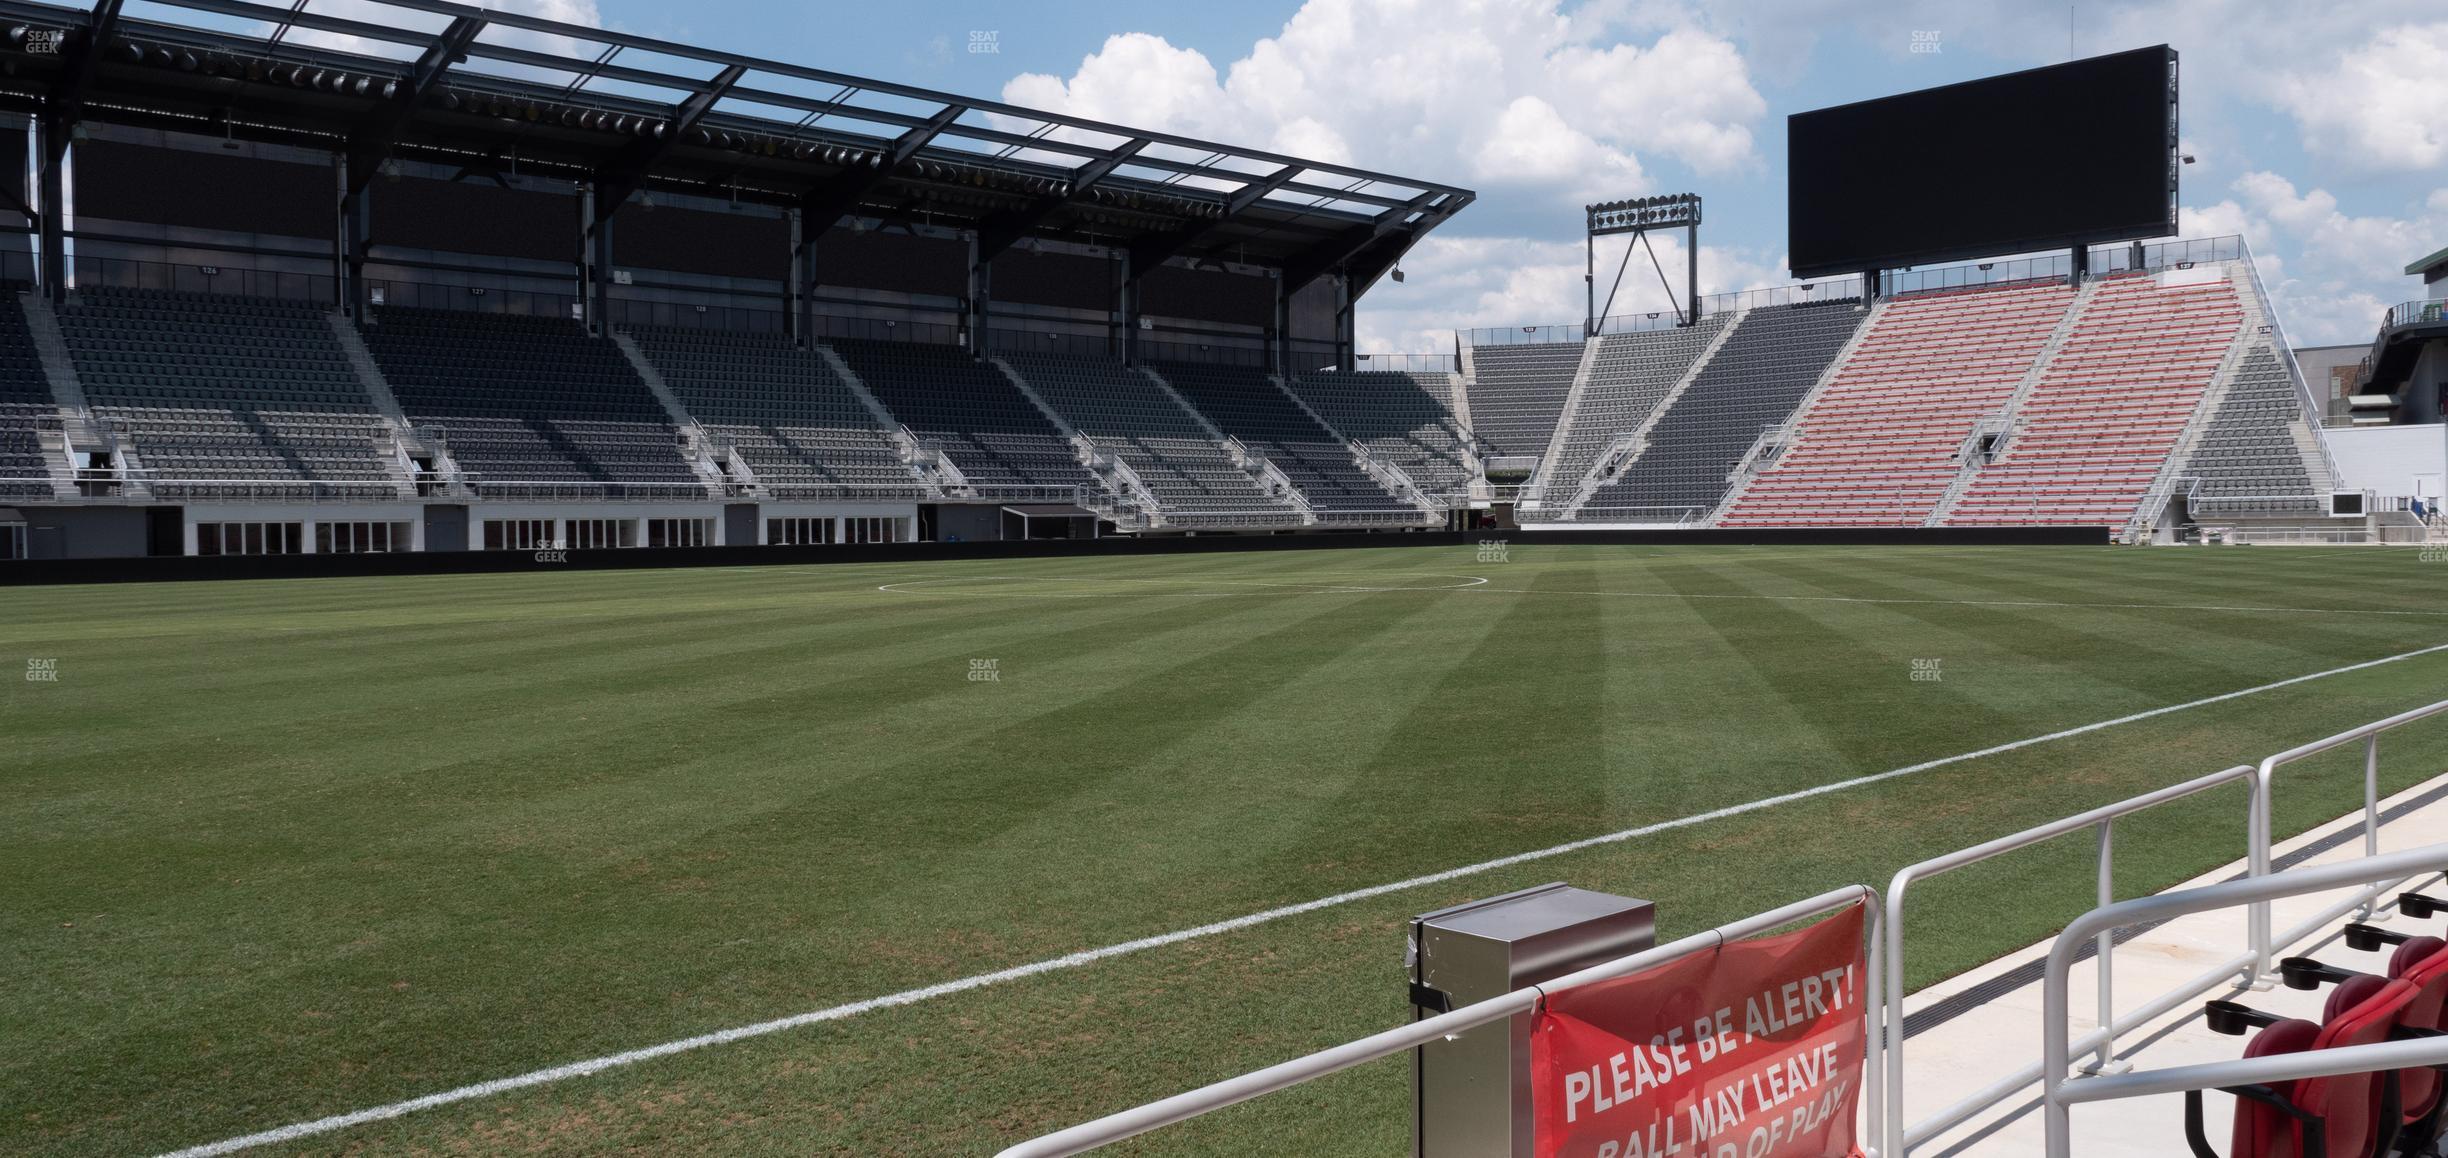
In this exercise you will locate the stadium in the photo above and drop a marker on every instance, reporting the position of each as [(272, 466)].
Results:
[(582, 592)]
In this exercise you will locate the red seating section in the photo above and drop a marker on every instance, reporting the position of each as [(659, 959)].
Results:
[(2361, 1011), (2422, 963), (2109, 406), (2262, 1130), (1878, 446)]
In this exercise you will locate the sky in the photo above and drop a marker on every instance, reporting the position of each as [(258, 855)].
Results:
[(2320, 132)]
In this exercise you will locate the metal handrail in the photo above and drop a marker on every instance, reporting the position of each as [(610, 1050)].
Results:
[(2378, 1057), (2212, 504), (1284, 1075), (2427, 312), (2103, 821), (2375, 874), (2370, 735)]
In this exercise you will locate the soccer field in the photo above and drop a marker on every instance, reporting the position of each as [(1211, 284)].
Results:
[(277, 851)]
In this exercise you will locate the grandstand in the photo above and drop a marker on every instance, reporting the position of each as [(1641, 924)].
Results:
[(531, 405), (1187, 470), (971, 413), (229, 397), (1331, 477), (1174, 664), (1677, 471), (26, 471), (945, 313), (793, 425), (1881, 441), (1517, 393), (1404, 417), (2106, 409), (1629, 377)]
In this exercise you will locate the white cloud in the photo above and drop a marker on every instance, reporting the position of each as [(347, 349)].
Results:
[(1501, 93), (1454, 282), (2340, 279), (2380, 105), (1538, 108)]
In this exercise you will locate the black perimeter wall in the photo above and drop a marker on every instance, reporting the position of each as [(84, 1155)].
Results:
[(36, 572)]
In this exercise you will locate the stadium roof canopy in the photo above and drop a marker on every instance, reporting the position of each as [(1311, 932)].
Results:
[(496, 92)]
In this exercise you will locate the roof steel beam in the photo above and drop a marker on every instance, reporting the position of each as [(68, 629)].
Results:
[(825, 204), (1367, 251), (371, 145), (1149, 252), (618, 180), (1004, 230)]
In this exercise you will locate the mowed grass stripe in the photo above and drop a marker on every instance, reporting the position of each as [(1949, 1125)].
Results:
[(740, 824), (943, 1077)]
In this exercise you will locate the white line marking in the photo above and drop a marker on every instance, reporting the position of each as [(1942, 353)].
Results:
[(580, 1069), (1957, 602), (945, 586)]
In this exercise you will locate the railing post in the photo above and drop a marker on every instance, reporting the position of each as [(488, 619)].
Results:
[(2257, 834), (2106, 1062), (1876, 1127), (2371, 815), (1892, 1051)]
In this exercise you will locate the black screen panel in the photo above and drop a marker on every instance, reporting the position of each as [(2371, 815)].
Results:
[(699, 241), (897, 262), (1068, 280), (204, 189), (475, 217), (1204, 295), (2075, 153)]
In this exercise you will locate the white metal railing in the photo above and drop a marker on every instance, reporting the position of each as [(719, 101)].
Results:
[(2247, 968), (2369, 736), (1405, 517), (2259, 504), (1766, 449), (1669, 516), (1284, 1075), (910, 491), (575, 490), (1883, 1102), (2100, 820), (278, 490), (2060, 1092), (1025, 493)]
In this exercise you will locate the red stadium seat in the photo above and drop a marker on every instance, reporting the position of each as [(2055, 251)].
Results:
[(2340, 1116)]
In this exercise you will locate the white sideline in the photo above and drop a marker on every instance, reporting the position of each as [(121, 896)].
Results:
[(1943, 602), (578, 1069)]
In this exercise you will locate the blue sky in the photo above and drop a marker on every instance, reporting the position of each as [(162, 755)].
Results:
[(2322, 137)]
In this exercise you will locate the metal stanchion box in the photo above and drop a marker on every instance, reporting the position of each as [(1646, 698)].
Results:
[(1471, 1092)]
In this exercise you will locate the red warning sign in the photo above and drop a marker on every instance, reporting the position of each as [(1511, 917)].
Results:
[(1752, 1051)]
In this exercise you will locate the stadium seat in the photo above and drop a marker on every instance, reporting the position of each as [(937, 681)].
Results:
[(1517, 392), (527, 402), (1123, 411), (2108, 407), (25, 396), (2423, 962), (783, 409), (228, 397), (971, 412), (1773, 358), (2352, 1115), (1245, 403), (1878, 446), (1406, 418), (1629, 377)]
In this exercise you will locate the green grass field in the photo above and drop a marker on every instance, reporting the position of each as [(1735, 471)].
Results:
[(281, 850)]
